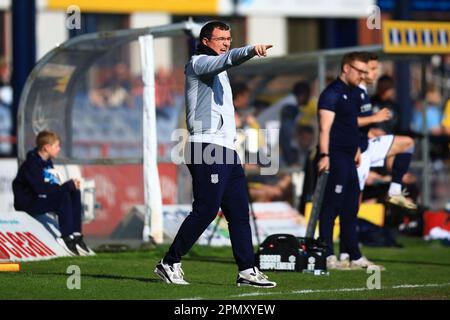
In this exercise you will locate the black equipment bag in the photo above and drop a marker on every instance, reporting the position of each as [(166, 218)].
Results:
[(285, 252)]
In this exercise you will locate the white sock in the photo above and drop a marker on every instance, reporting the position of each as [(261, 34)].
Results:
[(395, 189), (247, 272)]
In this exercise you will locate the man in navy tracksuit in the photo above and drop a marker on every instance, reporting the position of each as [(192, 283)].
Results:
[(376, 151), (217, 175), (38, 190), (339, 139)]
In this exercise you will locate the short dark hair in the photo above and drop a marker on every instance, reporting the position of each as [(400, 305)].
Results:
[(372, 56), (238, 88), (301, 87), (353, 56), (46, 137), (384, 83), (208, 28)]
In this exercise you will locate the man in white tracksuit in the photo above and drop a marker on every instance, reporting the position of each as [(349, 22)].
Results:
[(217, 175)]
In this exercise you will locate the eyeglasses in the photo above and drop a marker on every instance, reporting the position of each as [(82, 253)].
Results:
[(363, 72), (222, 39)]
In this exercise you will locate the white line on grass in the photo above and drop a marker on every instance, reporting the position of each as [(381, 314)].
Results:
[(306, 291), (407, 286)]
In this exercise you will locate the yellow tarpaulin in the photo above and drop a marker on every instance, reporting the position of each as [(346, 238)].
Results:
[(372, 212), (167, 6)]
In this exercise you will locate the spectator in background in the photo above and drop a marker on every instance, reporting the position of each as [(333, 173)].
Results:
[(273, 112), (307, 107), (279, 187), (385, 98), (6, 97), (304, 138), (115, 90), (433, 113), (168, 108), (435, 120), (441, 143), (446, 131), (249, 144), (445, 124), (98, 97), (298, 110), (118, 87), (249, 139), (273, 188), (164, 86), (243, 112)]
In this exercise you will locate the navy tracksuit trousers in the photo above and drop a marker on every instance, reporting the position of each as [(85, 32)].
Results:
[(219, 184), (66, 205), (341, 198)]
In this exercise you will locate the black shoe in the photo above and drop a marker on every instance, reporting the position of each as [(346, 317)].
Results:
[(71, 245), (81, 246)]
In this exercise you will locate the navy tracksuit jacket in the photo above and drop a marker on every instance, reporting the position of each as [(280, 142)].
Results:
[(37, 191), (342, 191)]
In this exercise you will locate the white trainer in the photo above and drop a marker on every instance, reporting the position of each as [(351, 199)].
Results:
[(254, 279), (170, 273), (344, 261), (364, 263), (401, 201), (333, 263)]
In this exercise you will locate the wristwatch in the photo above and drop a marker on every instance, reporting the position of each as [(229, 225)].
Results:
[(322, 155)]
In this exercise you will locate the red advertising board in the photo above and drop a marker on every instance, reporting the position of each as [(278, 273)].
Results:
[(119, 188), (22, 238)]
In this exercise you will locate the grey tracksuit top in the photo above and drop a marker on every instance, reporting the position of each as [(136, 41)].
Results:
[(209, 101)]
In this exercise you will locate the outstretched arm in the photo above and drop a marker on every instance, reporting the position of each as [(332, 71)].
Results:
[(216, 64)]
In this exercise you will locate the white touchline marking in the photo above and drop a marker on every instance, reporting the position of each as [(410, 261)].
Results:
[(403, 286), (306, 291)]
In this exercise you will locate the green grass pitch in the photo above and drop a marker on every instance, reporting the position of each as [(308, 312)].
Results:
[(420, 270)]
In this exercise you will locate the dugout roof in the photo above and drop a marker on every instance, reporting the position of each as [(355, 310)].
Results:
[(60, 87)]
